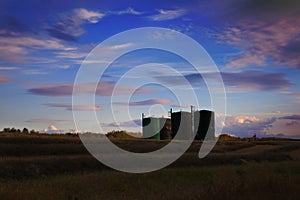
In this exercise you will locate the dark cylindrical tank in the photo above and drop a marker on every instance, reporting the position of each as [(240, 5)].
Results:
[(165, 132), (151, 128), (181, 125), (204, 124)]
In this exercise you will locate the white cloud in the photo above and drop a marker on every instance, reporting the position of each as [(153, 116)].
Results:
[(70, 54), (167, 15), (127, 11), (121, 46), (8, 68), (52, 130), (246, 126), (242, 120), (90, 16), (59, 67)]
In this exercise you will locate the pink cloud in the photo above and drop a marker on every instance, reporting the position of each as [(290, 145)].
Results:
[(4, 79), (16, 49), (147, 102), (263, 41), (292, 123), (12, 53)]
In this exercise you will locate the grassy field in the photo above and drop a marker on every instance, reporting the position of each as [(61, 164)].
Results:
[(59, 167)]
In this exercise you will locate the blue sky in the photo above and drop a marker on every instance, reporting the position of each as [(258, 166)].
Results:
[(255, 44)]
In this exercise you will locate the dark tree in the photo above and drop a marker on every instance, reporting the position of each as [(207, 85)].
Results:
[(13, 130), (6, 130), (33, 131), (25, 130)]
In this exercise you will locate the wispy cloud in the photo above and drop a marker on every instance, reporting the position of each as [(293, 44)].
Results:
[(70, 54), (88, 15), (129, 10), (35, 43), (262, 42), (167, 15), (69, 26), (76, 107), (54, 90), (291, 117), (121, 46), (17, 49), (104, 88), (48, 120), (8, 68), (251, 80), (12, 53), (146, 102), (256, 80)]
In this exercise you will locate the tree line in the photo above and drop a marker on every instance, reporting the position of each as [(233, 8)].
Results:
[(24, 131)]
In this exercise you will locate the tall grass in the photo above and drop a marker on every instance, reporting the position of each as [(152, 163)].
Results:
[(248, 181), (59, 167)]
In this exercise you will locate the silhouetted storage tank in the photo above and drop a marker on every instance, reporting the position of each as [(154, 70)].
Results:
[(165, 132), (181, 124), (157, 128), (204, 124), (151, 128)]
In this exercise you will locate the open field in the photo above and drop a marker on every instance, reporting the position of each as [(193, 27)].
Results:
[(59, 167)]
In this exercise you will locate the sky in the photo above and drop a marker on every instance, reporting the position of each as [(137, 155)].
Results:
[(254, 44)]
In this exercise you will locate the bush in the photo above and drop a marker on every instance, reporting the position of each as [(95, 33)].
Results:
[(121, 135)]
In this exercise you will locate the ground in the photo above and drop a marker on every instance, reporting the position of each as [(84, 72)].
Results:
[(59, 167)]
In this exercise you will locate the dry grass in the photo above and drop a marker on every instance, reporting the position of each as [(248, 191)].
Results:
[(247, 181)]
